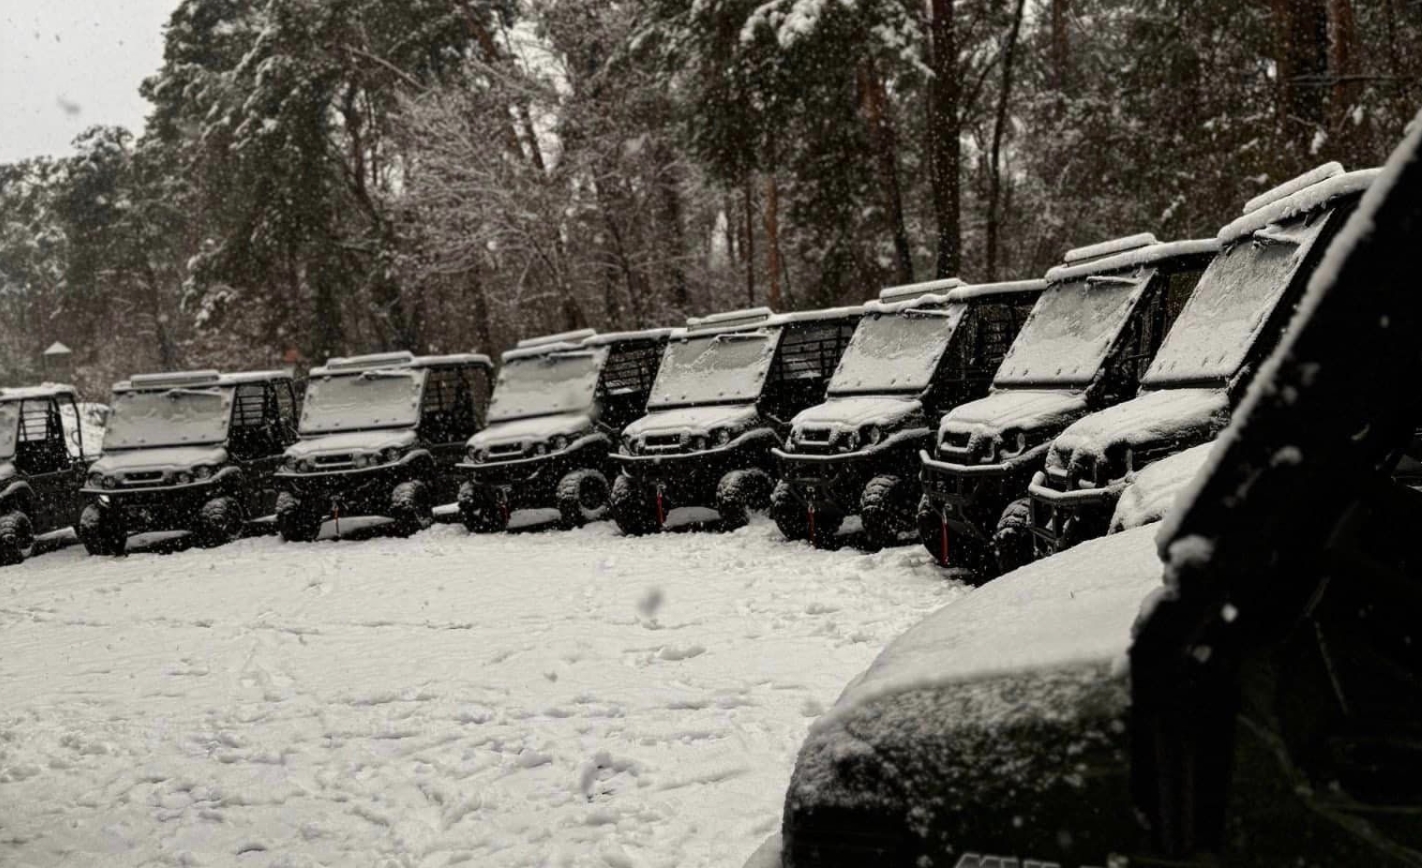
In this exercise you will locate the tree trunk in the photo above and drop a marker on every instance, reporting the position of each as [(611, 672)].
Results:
[(1301, 54), (1061, 44), (994, 216), (749, 196), (944, 148), (1342, 49), (772, 239), (885, 143)]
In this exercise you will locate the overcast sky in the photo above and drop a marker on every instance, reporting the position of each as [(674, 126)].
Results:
[(69, 64)]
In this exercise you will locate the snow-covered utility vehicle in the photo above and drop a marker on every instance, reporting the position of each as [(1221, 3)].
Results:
[(188, 450), (920, 350), (723, 398), (42, 465), (1270, 711), (1233, 320), (559, 406), (1085, 347), (380, 436)]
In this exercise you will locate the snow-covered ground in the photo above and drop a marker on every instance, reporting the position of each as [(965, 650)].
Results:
[(530, 699)]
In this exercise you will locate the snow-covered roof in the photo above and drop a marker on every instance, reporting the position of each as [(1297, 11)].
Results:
[(1005, 287), (541, 350), (928, 300), (43, 390), (1106, 248), (1288, 188), (1135, 258), (915, 290), (400, 359), (729, 319), (1295, 198), (452, 359), (816, 315), (180, 379), (571, 337), (601, 340)]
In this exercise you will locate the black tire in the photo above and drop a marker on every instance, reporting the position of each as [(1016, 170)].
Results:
[(17, 537), (480, 511), (887, 510), (295, 521), (739, 492), (634, 508), (933, 531), (582, 496), (412, 507), (219, 522), (788, 512), (1012, 542), (102, 531)]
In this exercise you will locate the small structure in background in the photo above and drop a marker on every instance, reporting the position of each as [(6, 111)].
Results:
[(58, 363)]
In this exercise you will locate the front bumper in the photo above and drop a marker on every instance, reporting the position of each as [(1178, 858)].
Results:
[(691, 477), (1057, 515), (158, 507), (971, 497), (532, 482), (356, 491), (837, 480)]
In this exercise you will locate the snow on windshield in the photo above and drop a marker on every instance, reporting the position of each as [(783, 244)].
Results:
[(1230, 305), (1070, 331), (543, 385), (730, 366), (369, 399), (168, 417), (9, 428), (896, 352)]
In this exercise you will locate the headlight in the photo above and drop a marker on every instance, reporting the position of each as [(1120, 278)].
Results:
[(184, 477), (472, 454), (722, 435), (202, 471), (303, 466), (873, 434), (110, 481), (1012, 443), (540, 449), (391, 455), (288, 464), (851, 441), (698, 443), (559, 443), (96, 480), (362, 460)]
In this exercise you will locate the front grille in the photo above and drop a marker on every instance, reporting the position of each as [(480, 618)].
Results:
[(663, 441), (957, 440), (816, 435), (505, 450), (143, 477), (332, 460)]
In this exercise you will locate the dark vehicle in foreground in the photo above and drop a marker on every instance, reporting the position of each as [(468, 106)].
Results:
[(1085, 347), (1233, 321), (723, 398), (42, 466), (194, 451), (919, 351), (1272, 706), (559, 407), (380, 436)]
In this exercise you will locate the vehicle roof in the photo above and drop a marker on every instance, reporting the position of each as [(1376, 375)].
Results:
[(824, 313), (603, 339), (893, 301), (399, 359), (1310, 191), (43, 390), (207, 377), (1129, 253)]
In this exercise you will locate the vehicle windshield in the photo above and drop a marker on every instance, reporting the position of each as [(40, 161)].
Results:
[(388, 398), (896, 352), (1071, 330), (721, 368), (1234, 298), (9, 428), (543, 385), (168, 417)]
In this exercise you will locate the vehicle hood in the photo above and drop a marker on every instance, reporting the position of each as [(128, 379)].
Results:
[(853, 412), (694, 420), (351, 441), (1154, 490), (159, 458), (534, 430), (1024, 409), (1189, 415), (991, 726)]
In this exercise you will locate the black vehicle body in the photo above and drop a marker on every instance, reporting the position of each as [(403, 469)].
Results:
[(191, 450), (723, 398), (1272, 706), (559, 407), (381, 435), (919, 351), (1090, 338), (1233, 320), (43, 460)]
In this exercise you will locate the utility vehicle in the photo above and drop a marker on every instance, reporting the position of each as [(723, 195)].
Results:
[(1232, 321), (380, 436), (914, 355), (723, 398), (188, 450), (1084, 347), (42, 466), (1269, 714), (559, 406)]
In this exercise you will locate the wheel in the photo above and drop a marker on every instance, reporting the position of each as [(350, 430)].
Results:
[(887, 510), (739, 492), (480, 510), (788, 512), (412, 507), (582, 497), (16, 537), (634, 508), (933, 531), (102, 530), (1012, 541), (218, 522), (295, 521), (951, 549)]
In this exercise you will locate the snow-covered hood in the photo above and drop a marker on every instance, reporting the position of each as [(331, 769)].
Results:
[(1024, 409), (159, 458), (694, 420), (1027, 673), (351, 441), (535, 430), (851, 413), (1153, 491), (1188, 415)]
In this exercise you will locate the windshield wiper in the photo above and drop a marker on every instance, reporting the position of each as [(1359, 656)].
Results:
[(569, 354), (201, 393), (383, 375), (1266, 237), (1109, 278), (739, 336), (925, 312)]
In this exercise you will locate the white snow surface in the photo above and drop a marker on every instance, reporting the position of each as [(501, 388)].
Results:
[(1027, 409), (1114, 245), (1154, 491), (349, 441), (853, 411), (1293, 185), (1306, 199), (535, 429), (159, 458), (1133, 258), (693, 420), (1149, 418), (576, 698)]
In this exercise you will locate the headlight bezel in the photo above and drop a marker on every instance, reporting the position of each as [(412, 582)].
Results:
[(203, 472), (870, 435), (721, 436), (558, 442), (96, 479)]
